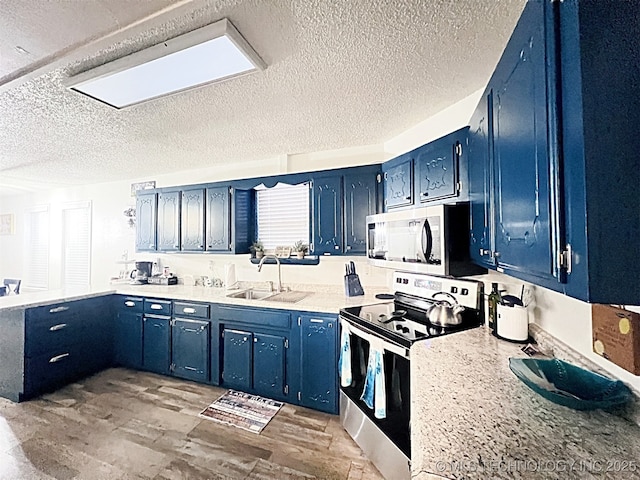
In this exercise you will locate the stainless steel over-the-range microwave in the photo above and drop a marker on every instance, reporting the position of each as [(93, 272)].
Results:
[(433, 240)]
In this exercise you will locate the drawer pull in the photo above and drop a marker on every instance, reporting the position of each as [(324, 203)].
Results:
[(58, 309), (315, 320), (57, 358), (191, 369), (57, 327), (156, 306), (129, 303), (188, 310)]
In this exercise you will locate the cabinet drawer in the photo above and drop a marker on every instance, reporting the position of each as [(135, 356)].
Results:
[(157, 307), (130, 304), (46, 372), (256, 316), (51, 334), (53, 312), (196, 310)]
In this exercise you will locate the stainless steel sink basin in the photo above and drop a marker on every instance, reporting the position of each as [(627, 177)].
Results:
[(287, 297), (252, 294)]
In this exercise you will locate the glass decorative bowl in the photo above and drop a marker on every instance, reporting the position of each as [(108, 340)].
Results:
[(569, 385)]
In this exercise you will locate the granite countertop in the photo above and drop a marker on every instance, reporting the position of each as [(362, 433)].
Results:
[(322, 299), (472, 418)]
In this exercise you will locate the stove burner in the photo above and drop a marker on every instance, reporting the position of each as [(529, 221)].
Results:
[(395, 315)]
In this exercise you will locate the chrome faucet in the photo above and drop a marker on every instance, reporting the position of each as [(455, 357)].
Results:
[(279, 289)]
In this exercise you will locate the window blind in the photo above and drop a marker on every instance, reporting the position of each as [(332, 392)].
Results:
[(283, 215), (76, 244), (36, 258)]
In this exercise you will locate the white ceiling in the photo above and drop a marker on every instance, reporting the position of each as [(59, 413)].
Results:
[(341, 73)]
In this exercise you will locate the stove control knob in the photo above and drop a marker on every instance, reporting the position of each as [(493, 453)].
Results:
[(405, 330), (399, 327)]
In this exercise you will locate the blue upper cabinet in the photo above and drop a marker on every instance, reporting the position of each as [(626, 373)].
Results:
[(481, 183), (522, 166), (218, 237), (327, 215), (398, 181), (437, 163), (319, 362), (360, 200), (550, 153), (192, 220), (146, 221), (169, 221)]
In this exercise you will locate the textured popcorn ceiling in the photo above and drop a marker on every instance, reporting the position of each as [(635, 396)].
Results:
[(341, 73)]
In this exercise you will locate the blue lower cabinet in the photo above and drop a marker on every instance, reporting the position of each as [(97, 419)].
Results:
[(319, 362), (156, 344), (128, 339), (237, 359), (190, 349), (269, 364)]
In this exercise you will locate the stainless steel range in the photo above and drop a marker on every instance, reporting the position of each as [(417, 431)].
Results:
[(424, 307)]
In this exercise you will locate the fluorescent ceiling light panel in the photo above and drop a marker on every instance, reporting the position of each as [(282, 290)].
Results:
[(209, 54)]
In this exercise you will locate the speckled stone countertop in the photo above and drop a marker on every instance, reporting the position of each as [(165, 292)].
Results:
[(472, 418), (320, 298)]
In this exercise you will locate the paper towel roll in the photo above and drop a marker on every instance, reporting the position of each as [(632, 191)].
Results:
[(229, 275)]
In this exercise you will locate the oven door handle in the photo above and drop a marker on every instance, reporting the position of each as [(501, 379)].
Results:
[(389, 347)]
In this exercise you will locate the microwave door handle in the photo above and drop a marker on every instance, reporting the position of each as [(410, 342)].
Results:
[(425, 242)]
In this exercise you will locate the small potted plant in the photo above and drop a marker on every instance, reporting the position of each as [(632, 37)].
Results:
[(300, 248), (257, 249)]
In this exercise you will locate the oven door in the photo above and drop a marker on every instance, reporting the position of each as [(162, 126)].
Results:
[(386, 442)]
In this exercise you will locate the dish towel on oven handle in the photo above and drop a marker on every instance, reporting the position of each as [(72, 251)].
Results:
[(374, 394), (344, 363)]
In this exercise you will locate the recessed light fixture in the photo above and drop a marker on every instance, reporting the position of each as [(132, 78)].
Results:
[(209, 54)]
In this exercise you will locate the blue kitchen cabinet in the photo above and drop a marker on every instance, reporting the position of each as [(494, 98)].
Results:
[(169, 221), (229, 222), (513, 168), (146, 221), (398, 181), (190, 349), (360, 200), (237, 363), (437, 167), (326, 219), (319, 362), (192, 220), (128, 332), (481, 184), (269, 360), (156, 335)]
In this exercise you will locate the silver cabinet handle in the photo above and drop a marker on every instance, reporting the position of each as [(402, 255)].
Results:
[(191, 369), (156, 306), (129, 303), (58, 309), (316, 320), (57, 327), (57, 358), (188, 310)]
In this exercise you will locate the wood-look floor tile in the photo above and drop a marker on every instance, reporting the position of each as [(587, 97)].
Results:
[(265, 470)]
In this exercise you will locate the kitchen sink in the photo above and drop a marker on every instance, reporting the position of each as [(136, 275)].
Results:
[(252, 294), (284, 297)]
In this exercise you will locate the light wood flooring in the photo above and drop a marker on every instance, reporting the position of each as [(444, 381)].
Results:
[(123, 424)]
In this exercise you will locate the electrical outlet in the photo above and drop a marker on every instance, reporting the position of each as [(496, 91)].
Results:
[(211, 265)]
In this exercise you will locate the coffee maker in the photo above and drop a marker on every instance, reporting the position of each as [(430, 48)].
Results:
[(141, 274)]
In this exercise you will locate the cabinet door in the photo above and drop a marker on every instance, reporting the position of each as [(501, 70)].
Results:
[(218, 221), (360, 200), (481, 184), (190, 349), (437, 170), (319, 363), (269, 364), (156, 344), (327, 215), (237, 359), (128, 339), (521, 155), (146, 209), (169, 221), (192, 220), (398, 182)]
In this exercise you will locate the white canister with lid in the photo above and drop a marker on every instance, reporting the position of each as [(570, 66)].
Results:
[(513, 323)]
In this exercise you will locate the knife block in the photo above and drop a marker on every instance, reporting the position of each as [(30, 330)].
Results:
[(352, 286)]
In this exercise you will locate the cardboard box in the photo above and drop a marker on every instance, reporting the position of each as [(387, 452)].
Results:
[(162, 280), (616, 336)]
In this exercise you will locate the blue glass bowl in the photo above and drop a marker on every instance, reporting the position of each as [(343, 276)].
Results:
[(569, 385)]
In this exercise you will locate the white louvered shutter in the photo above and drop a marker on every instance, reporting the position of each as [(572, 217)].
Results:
[(283, 215)]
